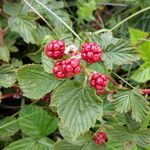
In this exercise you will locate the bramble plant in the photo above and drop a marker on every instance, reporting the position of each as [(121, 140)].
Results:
[(65, 88)]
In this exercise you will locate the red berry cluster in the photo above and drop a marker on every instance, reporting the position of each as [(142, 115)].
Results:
[(67, 68), (55, 49), (98, 81), (100, 138), (91, 52), (63, 68)]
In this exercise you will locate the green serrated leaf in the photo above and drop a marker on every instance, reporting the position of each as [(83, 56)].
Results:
[(35, 122), (77, 107), (8, 127), (12, 9), (47, 63), (25, 27), (4, 54), (64, 34), (42, 32), (118, 54), (116, 51), (35, 82), (142, 74), (35, 5), (31, 143), (7, 76), (60, 29), (131, 101)]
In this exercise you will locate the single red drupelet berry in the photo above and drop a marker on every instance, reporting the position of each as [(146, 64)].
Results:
[(91, 52), (55, 49), (98, 81), (67, 68), (100, 138)]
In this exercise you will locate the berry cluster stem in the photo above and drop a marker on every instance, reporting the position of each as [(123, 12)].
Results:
[(145, 91), (7, 96), (1, 37)]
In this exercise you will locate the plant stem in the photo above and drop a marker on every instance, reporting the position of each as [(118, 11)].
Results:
[(145, 91), (7, 96), (1, 37), (112, 80), (106, 92)]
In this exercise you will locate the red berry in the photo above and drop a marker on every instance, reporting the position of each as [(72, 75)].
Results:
[(55, 49), (98, 81), (100, 138), (67, 68), (91, 52)]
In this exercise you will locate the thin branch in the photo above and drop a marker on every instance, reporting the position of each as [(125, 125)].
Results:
[(112, 80), (1, 37), (7, 96), (145, 91)]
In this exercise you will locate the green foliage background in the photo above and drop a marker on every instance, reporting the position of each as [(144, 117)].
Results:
[(73, 112)]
